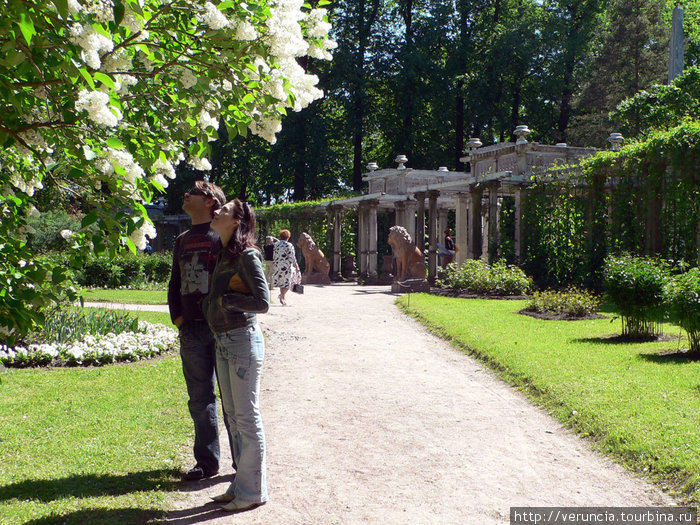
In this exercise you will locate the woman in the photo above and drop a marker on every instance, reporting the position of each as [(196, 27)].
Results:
[(286, 268), (238, 291)]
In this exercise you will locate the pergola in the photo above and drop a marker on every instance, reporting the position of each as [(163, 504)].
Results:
[(497, 171)]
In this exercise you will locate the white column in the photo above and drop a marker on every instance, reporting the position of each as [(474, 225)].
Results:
[(462, 228), (372, 239), (432, 234), (518, 240), (337, 212), (410, 218), (400, 212), (362, 240)]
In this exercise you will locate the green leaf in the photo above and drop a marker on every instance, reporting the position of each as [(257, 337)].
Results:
[(84, 72), (226, 5), (89, 219), (115, 143), (62, 6), (101, 30), (26, 25), (105, 79), (321, 3), (118, 12), (130, 244)]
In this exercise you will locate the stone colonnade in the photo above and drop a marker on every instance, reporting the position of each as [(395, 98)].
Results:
[(472, 222)]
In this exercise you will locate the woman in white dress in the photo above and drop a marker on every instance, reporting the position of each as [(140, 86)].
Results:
[(286, 271)]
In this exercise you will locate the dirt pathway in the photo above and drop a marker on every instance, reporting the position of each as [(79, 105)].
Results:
[(369, 419)]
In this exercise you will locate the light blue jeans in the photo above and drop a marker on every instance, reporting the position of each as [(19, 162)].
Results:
[(239, 358)]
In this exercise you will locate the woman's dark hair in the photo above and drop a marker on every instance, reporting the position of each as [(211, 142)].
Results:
[(244, 236)]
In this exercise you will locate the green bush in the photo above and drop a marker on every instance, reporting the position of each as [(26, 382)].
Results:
[(47, 230), (475, 276), (682, 297), (127, 270), (156, 267), (573, 301), (635, 285)]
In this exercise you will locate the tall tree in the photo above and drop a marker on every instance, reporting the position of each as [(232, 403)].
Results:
[(631, 55)]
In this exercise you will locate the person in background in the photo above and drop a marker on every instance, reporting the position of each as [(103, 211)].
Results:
[(286, 266), (268, 256), (194, 258), (238, 292), (446, 252)]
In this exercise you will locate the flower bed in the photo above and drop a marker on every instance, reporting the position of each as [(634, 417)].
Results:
[(96, 350)]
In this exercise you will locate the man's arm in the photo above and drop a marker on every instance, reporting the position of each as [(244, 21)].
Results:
[(174, 296)]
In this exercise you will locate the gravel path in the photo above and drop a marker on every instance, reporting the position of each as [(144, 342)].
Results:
[(370, 419)]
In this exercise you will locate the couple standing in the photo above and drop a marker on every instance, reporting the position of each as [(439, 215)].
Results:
[(217, 287)]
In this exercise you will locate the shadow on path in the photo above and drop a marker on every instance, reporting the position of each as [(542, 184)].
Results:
[(102, 516), (90, 485)]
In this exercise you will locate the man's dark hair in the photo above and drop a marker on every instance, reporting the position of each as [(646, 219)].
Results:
[(212, 191)]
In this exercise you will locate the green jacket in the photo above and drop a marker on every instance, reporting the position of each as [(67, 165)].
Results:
[(226, 308)]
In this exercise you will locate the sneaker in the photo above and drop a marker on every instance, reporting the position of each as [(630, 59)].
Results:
[(197, 472), (239, 506)]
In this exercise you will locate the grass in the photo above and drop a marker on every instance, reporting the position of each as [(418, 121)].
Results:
[(92, 445), (126, 296), (637, 405)]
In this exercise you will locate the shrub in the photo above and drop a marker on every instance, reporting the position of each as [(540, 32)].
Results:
[(134, 271), (69, 325), (573, 301), (156, 267), (682, 296), (475, 276), (635, 285)]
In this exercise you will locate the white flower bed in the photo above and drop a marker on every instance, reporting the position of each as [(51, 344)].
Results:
[(151, 340)]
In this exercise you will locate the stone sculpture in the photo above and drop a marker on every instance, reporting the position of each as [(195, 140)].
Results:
[(316, 265), (410, 263)]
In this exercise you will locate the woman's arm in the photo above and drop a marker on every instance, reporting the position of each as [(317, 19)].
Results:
[(252, 274)]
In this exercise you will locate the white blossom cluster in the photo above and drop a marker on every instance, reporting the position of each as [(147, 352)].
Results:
[(212, 17), (151, 340), (141, 235), (115, 157), (96, 103), (92, 44)]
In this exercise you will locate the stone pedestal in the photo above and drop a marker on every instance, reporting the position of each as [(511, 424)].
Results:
[(349, 267), (387, 268), (315, 278), (410, 285)]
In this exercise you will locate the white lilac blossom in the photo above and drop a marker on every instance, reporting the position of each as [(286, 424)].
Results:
[(316, 27), (212, 17), (141, 235), (92, 44), (96, 103), (199, 163), (206, 120)]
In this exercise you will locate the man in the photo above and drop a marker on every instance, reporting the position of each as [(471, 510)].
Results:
[(194, 258)]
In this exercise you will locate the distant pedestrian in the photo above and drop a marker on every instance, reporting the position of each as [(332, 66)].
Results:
[(268, 257), (286, 272)]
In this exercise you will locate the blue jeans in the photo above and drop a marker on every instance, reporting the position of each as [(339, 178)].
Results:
[(239, 358), (197, 350)]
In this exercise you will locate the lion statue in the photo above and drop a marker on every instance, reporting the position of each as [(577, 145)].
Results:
[(410, 262), (314, 260)]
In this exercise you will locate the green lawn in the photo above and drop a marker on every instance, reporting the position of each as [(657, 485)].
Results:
[(127, 296), (642, 408), (92, 445)]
